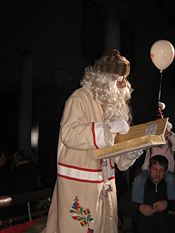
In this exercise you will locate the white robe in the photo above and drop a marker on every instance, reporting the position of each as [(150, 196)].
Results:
[(80, 203)]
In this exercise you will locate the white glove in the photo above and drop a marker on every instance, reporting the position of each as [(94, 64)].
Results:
[(169, 126), (119, 126)]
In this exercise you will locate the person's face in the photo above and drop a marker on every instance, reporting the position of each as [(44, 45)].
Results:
[(157, 172), (121, 82)]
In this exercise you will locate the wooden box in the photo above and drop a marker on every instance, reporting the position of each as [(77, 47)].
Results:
[(141, 136)]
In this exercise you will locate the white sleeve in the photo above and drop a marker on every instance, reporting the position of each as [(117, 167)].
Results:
[(78, 132), (146, 160), (103, 137), (126, 160), (105, 132), (172, 140)]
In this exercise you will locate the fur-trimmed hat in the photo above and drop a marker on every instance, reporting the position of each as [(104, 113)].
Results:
[(113, 63)]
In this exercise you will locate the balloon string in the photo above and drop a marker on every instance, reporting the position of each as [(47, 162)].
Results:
[(160, 113), (160, 86)]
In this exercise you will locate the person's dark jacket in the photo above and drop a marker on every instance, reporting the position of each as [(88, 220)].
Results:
[(159, 222)]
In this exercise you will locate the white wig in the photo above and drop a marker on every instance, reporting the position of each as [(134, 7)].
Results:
[(102, 82)]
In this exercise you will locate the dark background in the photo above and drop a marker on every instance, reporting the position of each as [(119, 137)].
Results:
[(65, 37)]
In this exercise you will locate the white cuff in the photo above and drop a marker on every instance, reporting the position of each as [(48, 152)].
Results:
[(172, 140), (126, 160), (103, 137)]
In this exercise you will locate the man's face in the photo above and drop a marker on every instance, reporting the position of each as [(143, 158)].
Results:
[(157, 172), (121, 82)]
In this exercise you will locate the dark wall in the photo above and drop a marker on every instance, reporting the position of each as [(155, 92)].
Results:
[(65, 37)]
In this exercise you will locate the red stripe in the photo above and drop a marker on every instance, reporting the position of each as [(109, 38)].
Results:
[(19, 228), (86, 181), (111, 164), (93, 134), (80, 168), (113, 177)]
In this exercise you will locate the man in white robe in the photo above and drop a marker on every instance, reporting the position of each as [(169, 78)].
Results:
[(84, 198)]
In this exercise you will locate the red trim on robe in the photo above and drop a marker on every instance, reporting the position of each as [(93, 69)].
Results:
[(86, 181), (80, 168), (93, 134), (111, 164)]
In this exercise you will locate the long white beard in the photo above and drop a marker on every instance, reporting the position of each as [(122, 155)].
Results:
[(114, 102)]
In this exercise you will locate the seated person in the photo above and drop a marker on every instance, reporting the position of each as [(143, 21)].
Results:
[(24, 175), (166, 150), (151, 216)]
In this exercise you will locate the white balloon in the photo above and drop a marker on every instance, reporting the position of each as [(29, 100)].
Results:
[(162, 54)]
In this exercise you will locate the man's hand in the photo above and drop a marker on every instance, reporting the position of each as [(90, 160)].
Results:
[(146, 210), (119, 126), (160, 206)]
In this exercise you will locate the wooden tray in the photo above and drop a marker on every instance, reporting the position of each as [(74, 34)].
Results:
[(141, 136)]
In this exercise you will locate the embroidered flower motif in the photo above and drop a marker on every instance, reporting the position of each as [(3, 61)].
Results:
[(83, 215)]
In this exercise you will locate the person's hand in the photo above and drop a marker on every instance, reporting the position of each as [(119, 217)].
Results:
[(160, 206), (119, 126), (146, 210)]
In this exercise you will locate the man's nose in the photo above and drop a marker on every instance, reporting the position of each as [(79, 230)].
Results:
[(158, 173)]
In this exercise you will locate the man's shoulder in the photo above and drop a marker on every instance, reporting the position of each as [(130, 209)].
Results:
[(82, 93)]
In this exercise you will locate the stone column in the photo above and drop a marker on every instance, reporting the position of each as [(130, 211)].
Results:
[(112, 34), (113, 11), (25, 100)]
